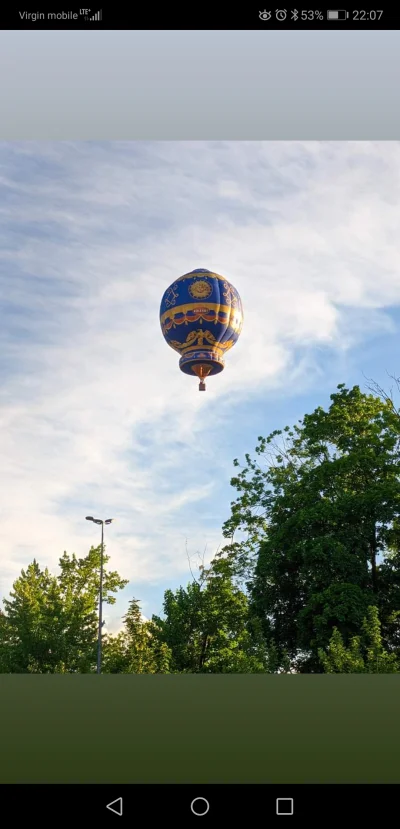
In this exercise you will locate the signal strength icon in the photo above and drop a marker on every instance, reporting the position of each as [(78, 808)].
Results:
[(97, 16)]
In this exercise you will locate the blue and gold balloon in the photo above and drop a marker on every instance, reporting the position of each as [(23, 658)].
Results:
[(201, 318)]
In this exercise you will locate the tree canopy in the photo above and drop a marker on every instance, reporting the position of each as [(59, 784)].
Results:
[(206, 626), (309, 579), (321, 524), (50, 622)]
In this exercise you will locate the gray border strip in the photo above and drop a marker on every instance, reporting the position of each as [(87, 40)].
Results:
[(199, 85)]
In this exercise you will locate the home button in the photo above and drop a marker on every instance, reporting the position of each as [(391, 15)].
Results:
[(200, 806)]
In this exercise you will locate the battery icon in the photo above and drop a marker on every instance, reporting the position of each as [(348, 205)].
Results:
[(337, 15)]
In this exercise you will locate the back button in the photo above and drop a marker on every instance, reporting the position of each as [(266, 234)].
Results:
[(115, 806)]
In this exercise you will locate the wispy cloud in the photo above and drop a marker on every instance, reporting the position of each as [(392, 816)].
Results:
[(95, 416)]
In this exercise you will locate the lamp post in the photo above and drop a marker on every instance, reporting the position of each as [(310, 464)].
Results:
[(100, 521)]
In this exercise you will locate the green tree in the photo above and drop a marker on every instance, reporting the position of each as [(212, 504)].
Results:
[(137, 649), (50, 622), (115, 654), (321, 525), (365, 654), (207, 627), (33, 624)]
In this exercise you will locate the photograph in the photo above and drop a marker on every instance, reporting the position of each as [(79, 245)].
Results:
[(200, 407)]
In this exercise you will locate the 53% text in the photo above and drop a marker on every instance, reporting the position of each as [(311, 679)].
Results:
[(306, 15)]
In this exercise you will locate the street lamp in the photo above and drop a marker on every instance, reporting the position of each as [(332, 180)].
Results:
[(100, 521)]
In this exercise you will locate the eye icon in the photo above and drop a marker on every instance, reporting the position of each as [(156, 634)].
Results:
[(264, 15)]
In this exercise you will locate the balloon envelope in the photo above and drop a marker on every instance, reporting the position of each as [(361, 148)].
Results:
[(201, 318)]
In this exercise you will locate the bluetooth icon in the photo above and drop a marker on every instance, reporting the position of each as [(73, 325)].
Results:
[(295, 14)]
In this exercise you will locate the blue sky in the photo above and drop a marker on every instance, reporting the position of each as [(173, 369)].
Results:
[(96, 417)]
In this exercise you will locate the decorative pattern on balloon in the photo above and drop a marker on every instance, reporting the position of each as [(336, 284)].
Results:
[(200, 289), (171, 296), (230, 295), (193, 312)]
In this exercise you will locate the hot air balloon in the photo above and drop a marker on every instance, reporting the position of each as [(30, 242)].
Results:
[(201, 318)]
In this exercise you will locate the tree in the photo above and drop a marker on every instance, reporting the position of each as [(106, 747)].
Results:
[(207, 627), (322, 525), (33, 624), (364, 655), (50, 622), (79, 584), (137, 649), (115, 654)]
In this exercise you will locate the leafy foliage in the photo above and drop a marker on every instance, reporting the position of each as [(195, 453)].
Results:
[(309, 580), (364, 655), (322, 525), (207, 626), (50, 622), (137, 649)]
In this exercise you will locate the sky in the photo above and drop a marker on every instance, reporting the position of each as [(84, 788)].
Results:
[(96, 418)]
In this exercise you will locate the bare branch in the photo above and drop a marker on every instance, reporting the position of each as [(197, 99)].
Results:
[(189, 563), (377, 389)]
